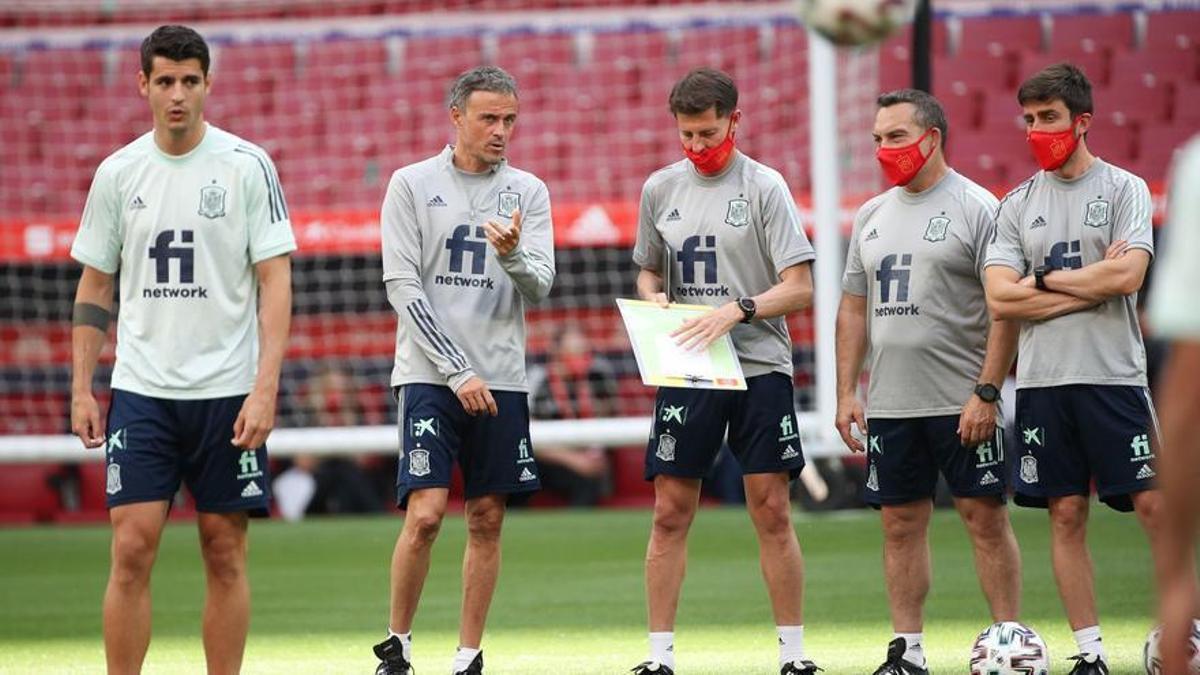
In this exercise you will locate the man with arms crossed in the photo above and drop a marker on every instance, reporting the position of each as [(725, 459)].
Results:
[(733, 235), (194, 218), (1071, 249), (913, 293), (467, 242)]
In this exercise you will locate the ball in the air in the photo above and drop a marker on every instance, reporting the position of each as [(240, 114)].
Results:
[(856, 23)]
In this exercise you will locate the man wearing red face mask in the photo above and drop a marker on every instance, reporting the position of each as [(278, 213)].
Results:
[(913, 294), (730, 233), (1071, 249)]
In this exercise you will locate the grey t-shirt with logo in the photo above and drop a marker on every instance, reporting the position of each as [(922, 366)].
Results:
[(462, 305), (918, 259), (726, 236), (1067, 225)]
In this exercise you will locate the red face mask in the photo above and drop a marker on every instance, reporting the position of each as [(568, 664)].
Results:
[(1052, 149), (902, 164), (711, 160)]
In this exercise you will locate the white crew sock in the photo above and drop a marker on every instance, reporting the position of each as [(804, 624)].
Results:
[(914, 651), (1089, 642), (462, 659), (662, 648), (791, 644)]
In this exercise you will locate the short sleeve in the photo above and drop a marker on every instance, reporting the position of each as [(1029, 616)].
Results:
[(648, 249), (401, 234), (1134, 216), (982, 215), (781, 220), (1004, 248), (267, 218), (98, 240), (854, 277)]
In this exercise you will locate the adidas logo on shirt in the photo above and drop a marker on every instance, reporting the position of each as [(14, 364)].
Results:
[(872, 235), (436, 201), (137, 204), (674, 215), (989, 478), (526, 475), (789, 453), (1038, 222), (251, 490), (1145, 472)]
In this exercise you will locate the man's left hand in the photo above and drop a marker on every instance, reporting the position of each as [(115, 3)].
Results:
[(504, 239), (977, 423), (255, 421), (700, 332)]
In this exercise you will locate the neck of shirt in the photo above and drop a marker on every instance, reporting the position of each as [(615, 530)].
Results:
[(1055, 179), (187, 152), (909, 197), (710, 179)]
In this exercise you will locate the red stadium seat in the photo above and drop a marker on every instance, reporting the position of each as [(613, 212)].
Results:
[(1147, 68), (1150, 102), (1185, 110), (1171, 31), (1092, 32), (996, 36), (1094, 64), (1112, 137)]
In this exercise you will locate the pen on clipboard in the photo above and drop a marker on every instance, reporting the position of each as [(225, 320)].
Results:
[(696, 379)]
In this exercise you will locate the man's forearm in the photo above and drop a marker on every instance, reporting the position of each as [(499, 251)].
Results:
[(274, 319), (851, 348), (1001, 350), (1101, 280)]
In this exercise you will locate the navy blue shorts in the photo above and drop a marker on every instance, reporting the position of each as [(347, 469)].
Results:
[(1072, 434), (904, 457), (690, 426), (154, 443), (494, 453)]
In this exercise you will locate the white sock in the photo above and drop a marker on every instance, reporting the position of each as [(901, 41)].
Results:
[(791, 644), (463, 658), (914, 651), (662, 648), (1089, 642), (405, 642)]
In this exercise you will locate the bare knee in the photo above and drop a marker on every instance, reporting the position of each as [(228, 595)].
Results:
[(771, 514), (986, 521), (1068, 517), (422, 527), (906, 523), (672, 519), (484, 522), (133, 553), (1149, 508), (224, 556)]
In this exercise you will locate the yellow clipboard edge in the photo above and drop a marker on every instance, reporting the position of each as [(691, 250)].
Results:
[(673, 305), (729, 383)]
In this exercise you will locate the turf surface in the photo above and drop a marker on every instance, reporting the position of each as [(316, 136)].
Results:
[(570, 597)]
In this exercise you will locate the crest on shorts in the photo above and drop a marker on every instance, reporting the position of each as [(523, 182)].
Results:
[(1097, 213), (666, 448), (738, 214), (508, 204), (1029, 471), (114, 479), (936, 229), (872, 479), (418, 462), (212, 201)]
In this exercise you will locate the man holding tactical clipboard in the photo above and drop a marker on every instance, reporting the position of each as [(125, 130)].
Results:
[(733, 235)]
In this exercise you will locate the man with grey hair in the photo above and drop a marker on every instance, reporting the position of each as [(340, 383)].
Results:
[(913, 294), (467, 241)]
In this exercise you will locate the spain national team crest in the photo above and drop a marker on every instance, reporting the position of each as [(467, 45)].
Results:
[(114, 479), (418, 462), (936, 229), (872, 479), (212, 201), (508, 204), (738, 214), (666, 448), (1097, 213), (1029, 469)]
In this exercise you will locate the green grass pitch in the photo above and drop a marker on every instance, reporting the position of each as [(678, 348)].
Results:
[(570, 598)]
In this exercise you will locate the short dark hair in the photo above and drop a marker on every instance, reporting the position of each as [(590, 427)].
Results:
[(1062, 81), (928, 114), (701, 89), (483, 78), (178, 43)]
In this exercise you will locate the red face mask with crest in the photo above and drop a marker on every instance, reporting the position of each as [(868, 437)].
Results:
[(1052, 149), (711, 160), (902, 164)]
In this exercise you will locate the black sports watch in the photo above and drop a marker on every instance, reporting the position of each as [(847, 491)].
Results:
[(749, 308), (1039, 277), (988, 393)]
